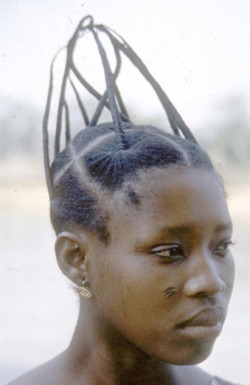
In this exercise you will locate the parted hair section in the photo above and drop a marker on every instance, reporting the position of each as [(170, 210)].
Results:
[(93, 164), (102, 157)]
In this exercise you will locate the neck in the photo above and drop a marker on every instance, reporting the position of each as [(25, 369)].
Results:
[(98, 354)]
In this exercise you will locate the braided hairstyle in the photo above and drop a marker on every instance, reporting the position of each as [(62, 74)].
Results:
[(102, 157)]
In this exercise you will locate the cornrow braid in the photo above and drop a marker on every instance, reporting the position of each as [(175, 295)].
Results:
[(101, 157)]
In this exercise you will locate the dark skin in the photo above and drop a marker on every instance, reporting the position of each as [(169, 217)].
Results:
[(160, 288)]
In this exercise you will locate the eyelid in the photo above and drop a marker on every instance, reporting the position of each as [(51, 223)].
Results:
[(223, 252), (228, 242), (163, 247), (168, 248)]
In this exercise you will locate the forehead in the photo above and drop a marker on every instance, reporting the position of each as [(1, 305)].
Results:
[(171, 197)]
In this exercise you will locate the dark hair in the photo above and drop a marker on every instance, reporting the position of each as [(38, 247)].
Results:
[(103, 156)]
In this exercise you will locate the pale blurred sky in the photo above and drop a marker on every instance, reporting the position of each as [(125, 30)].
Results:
[(198, 50)]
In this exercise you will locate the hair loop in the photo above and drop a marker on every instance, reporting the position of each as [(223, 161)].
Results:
[(110, 99), (86, 22)]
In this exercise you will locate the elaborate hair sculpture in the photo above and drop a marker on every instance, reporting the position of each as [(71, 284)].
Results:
[(102, 156)]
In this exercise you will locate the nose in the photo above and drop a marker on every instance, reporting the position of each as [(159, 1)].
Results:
[(203, 278)]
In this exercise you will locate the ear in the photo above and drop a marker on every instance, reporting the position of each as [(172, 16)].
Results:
[(71, 252)]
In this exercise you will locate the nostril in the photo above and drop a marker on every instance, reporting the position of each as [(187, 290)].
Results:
[(223, 286)]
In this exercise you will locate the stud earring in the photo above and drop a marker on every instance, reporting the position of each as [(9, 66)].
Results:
[(83, 291)]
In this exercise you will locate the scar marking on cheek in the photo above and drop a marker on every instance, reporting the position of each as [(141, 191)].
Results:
[(170, 292)]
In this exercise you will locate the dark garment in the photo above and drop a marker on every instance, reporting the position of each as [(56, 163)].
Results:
[(220, 381)]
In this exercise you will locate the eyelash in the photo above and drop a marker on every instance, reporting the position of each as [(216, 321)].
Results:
[(179, 254), (226, 245)]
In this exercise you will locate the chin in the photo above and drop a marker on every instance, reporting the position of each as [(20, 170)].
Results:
[(194, 356), (191, 353)]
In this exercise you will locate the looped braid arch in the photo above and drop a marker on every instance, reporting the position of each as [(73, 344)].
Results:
[(111, 98)]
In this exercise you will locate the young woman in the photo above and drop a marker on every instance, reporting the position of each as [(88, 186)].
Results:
[(143, 230)]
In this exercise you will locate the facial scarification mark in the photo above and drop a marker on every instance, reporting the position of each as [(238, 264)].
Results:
[(170, 292), (133, 197)]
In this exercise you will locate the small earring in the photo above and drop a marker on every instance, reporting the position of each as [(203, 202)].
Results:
[(83, 291)]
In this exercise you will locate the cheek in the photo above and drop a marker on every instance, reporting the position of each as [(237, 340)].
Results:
[(229, 272), (130, 292), (121, 284)]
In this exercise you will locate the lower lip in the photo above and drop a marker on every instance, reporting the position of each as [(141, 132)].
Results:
[(201, 332)]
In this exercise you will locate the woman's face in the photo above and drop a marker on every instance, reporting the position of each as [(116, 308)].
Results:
[(165, 279)]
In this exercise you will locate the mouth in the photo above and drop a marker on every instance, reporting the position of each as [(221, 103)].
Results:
[(205, 324)]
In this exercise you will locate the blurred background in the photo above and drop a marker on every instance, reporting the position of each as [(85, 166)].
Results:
[(199, 52)]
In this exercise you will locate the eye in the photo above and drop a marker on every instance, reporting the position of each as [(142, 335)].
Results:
[(223, 248), (169, 253)]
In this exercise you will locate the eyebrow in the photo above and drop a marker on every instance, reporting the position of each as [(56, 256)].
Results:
[(186, 228), (182, 229), (224, 226)]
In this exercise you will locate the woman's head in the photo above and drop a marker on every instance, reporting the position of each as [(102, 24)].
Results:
[(163, 280), (141, 218), (151, 236)]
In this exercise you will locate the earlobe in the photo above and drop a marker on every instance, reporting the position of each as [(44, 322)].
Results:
[(71, 255)]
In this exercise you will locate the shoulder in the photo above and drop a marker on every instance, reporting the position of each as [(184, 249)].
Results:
[(219, 381), (49, 373), (193, 374), (197, 376)]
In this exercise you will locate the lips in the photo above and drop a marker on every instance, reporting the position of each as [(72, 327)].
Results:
[(204, 324), (209, 316)]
